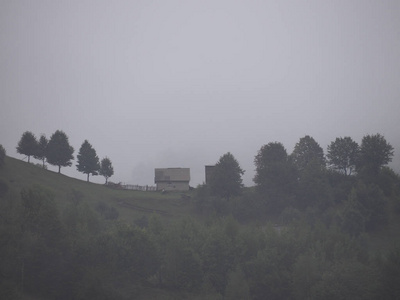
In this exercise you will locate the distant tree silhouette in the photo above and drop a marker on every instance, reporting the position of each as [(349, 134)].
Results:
[(41, 149), (27, 144), (312, 186), (375, 152), (308, 151), (106, 168), (342, 155), (226, 180), (88, 162), (59, 152), (276, 175)]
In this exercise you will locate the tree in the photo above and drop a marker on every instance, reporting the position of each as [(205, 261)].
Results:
[(313, 188), (88, 162), (226, 179), (106, 168), (2, 155), (375, 152), (275, 174), (59, 152), (27, 144), (365, 209), (389, 287), (342, 155), (41, 149), (307, 151)]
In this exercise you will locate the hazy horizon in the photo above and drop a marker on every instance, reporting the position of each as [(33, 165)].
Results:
[(155, 84)]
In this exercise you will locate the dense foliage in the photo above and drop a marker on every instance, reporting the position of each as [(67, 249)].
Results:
[(27, 145), (276, 176), (375, 152), (307, 151), (77, 253), (303, 232), (106, 168), (41, 150), (88, 161), (59, 151), (226, 179), (342, 155)]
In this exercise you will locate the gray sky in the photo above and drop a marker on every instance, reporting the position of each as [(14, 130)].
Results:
[(179, 83)]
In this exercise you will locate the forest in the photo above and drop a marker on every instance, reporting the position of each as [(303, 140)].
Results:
[(313, 226)]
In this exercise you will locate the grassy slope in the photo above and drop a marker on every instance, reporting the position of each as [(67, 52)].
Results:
[(130, 204), (133, 205)]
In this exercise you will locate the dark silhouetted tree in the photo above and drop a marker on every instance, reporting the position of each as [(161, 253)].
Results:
[(41, 149), (308, 151), (364, 210), (106, 168), (389, 281), (27, 144), (59, 152), (342, 155), (226, 180), (275, 174), (88, 162), (313, 188), (375, 152)]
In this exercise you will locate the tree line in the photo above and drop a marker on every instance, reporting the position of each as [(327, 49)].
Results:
[(277, 171), (351, 186), (324, 209), (58, 152)]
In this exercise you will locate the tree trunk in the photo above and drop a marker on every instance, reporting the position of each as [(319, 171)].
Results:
[(59, 169), (88, 177), (29, 159)]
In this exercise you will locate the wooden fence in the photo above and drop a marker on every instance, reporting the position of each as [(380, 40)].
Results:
[(135, 187)]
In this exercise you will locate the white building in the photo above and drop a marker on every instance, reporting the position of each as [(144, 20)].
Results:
[(172, 179)]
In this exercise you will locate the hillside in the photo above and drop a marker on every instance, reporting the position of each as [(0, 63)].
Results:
[(133, 205), (130, 204), (166, 246)]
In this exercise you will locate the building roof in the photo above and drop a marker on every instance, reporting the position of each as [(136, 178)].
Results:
[(172, 174)]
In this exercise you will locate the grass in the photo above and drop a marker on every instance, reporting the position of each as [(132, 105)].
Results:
[(130, 204), (133, 205)]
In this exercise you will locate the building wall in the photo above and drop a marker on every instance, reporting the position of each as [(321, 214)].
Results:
[(171, 174), (173, 186), (172, 179)]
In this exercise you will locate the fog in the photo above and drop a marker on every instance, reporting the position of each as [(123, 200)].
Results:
[(173, 83)]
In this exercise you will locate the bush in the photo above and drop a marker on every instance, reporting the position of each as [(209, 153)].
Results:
[(106, 211)]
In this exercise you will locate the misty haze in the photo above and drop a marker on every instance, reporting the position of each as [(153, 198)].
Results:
[(243, 124)]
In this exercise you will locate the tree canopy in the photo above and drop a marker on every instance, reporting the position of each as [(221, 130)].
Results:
[(27, 145), (275, 173), (375, 152), (41, 149), (88, 161), (226, 179), (59, 152), (106, 168), (342, 155), (307, 151)]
